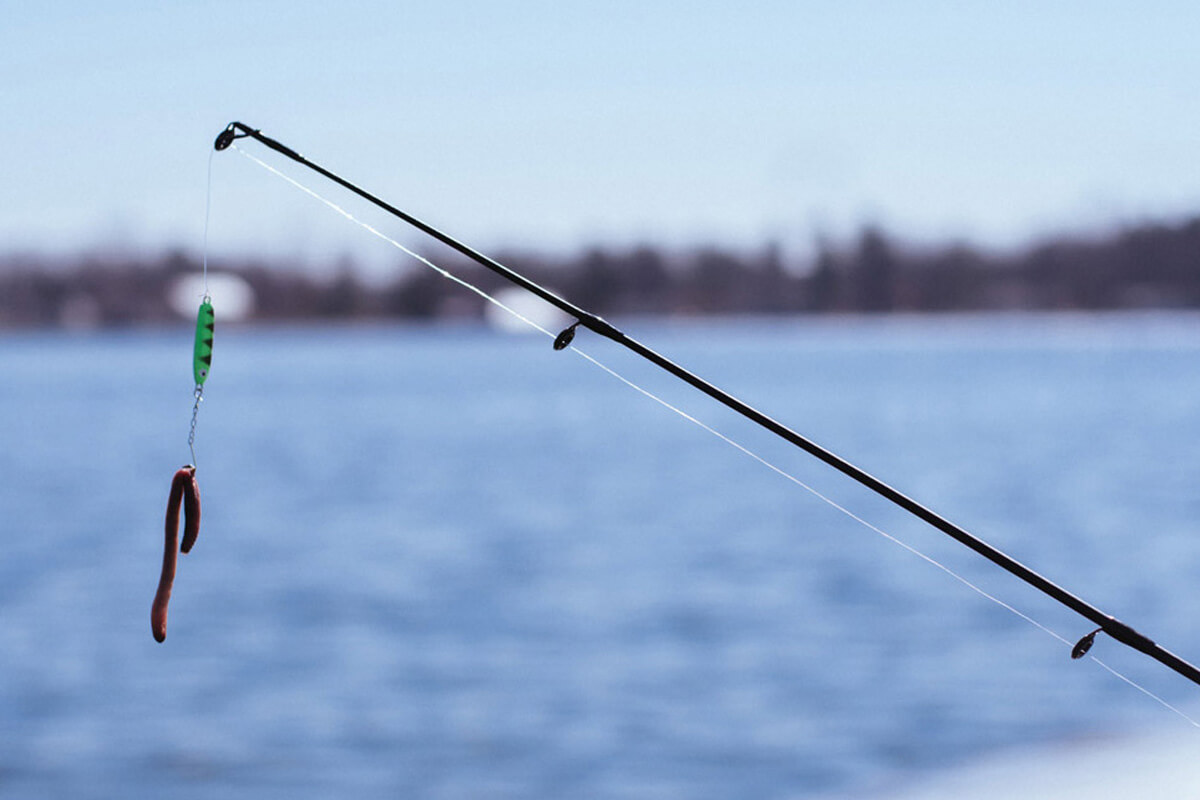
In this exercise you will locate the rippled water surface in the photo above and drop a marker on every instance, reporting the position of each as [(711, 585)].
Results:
[(452, 563)]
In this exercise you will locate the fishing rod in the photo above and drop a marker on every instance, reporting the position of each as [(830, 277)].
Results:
[(1106, 623)]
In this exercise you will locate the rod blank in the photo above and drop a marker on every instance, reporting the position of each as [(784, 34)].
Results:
[(1113, 627)]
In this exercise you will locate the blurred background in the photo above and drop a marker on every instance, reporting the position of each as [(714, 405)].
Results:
[(959, 246)]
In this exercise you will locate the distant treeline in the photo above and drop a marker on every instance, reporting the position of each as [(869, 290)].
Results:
[(1151, 266)]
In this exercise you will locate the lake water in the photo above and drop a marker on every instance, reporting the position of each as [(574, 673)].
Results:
[(445, 562)]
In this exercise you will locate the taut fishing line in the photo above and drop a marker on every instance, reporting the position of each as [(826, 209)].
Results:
[(681, 413), (207, 216), (380, 234), (205, 324)]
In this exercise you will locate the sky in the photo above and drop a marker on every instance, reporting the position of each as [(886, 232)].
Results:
[(553, 126)]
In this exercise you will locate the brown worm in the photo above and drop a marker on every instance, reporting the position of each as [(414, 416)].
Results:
[(158, 611), (191, 513)]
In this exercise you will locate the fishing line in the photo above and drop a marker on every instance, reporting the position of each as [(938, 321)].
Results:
[(207, 214), (380, 234), (1146, 691), (872, 527), (695, 421)]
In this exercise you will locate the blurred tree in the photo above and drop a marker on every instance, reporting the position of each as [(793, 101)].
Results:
[(874, 273), (824, 286)]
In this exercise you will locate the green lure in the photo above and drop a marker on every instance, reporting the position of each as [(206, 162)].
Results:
[(202, 353)]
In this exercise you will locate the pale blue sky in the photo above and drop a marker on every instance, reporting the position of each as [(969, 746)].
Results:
[(552, 125)]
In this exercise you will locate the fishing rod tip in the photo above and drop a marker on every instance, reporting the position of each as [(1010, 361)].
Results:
[(225, 137)]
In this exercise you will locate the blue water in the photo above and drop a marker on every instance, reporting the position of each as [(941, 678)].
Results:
[(444, 562)]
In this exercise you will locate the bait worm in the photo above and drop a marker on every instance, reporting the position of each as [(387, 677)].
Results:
[(158, 612), (191, 512)]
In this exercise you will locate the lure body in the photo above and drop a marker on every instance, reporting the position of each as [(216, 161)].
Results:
[(202, 352)]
